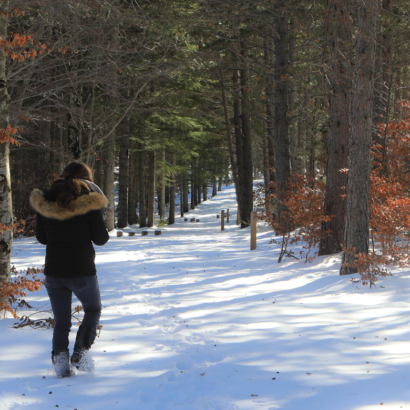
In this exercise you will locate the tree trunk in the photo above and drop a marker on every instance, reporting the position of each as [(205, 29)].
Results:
[(133, 183), (172, 192), (61, 157), (110, 145), (397, 94), (158, 183), (193, 187), (198, 184), (291, 96), (237, 122), (161, 190), (281, 99), (247, 187), (98, 174), (90, 131), (18, 190), (47, 150), (266, 171), (53, 147), (109, 179), (312, 160), (192, 196), (228, 137), (269, 151), (269, 109), (220, 181), (151, 189), (198, 194), (271, 146), (167, 195), (383, 75), (124, 176), (142, 187), (185, 192), (300, 164), (405, 84), (6, 212), (339, 129), (356, 238), (388, 69), (181, 196)]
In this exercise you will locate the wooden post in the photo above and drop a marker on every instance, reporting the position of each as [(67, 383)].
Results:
[(222, 220), (217, 216), (158, 232), (131, 233), (227, 216), (119, 234), (144, 233), (253, 231)]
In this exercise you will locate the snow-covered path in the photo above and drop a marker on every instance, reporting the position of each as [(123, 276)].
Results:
[(194, 320)]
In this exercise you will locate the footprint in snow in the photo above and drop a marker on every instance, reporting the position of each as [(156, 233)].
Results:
[(162, 348)]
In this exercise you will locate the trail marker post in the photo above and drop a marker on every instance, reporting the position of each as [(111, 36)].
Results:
[(222, 220), (227, 216), (253, 231)]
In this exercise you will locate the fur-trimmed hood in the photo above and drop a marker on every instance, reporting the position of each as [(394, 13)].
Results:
[(82, 205)]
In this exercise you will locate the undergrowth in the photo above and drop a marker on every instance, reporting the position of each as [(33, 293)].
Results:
[(13, 295)]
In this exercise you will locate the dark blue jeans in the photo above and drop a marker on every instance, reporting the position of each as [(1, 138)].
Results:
[(60, 291)]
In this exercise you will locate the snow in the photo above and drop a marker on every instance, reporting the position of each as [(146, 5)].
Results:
[(194, 320)]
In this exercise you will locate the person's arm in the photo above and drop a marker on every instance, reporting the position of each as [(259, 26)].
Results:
[(40, 231), (99, 235)]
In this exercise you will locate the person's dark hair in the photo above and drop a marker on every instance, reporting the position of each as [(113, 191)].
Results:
[(64, 191), (78, 169)]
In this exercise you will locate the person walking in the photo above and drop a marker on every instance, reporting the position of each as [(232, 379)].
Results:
[(69, 220)]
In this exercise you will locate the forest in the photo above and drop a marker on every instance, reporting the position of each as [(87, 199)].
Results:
[(165, 98), (198, 118)]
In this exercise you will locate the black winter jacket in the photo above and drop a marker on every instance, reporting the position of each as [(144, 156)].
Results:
[(69, 234)]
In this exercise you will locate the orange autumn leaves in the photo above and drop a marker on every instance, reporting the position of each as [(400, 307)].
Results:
[(305, 213), (389, 205), (6, 135), (12, 292), (13, 48), (18, 41), (389, 192)]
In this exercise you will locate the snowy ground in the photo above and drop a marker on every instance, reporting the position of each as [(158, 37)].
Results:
[(194, 320)]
